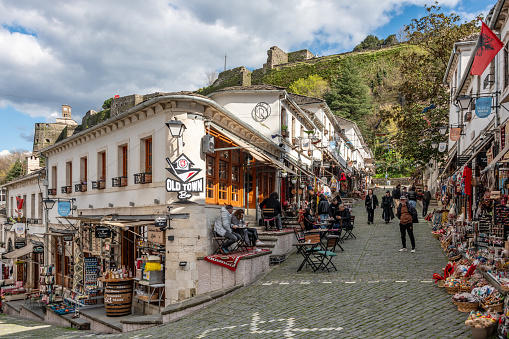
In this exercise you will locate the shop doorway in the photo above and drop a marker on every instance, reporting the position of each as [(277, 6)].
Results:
[(128, 249)]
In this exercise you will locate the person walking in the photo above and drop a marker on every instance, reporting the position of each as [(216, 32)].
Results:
[(387, 206), (412, 197), (272, 202), (406, 215), (396, 194), (222, 227), (426, 198), (371, 203)]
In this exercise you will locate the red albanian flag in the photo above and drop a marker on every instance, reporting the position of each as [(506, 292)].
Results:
[(487, 47)]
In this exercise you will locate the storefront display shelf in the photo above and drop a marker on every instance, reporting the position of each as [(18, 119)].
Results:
[(83, 306)]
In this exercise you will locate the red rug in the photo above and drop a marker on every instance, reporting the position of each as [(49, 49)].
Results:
[(230, 261)]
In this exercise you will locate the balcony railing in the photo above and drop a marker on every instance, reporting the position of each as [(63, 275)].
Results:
[(34, 221), (119, 181), (66, 189), (99, 185), (80, 187), (143, 178), (52, 191)]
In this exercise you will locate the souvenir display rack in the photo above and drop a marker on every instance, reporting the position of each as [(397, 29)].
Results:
[(46, 283)]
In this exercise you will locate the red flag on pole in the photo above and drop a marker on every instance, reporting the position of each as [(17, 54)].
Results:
[(487, 47)]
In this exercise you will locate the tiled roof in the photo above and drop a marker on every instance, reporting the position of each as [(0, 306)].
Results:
[(252, 88), (302, 99)]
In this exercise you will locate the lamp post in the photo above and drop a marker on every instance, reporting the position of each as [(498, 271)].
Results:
[(48, 204), (177, 129), (443, 130), (434, 145)]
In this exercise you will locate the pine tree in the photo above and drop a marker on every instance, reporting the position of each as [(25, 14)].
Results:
[(14, 171), (349, 96)]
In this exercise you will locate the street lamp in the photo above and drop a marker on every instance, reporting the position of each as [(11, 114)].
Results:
[(442, 130), (48, 203), (176, 128), (434, 144), (464, 101)]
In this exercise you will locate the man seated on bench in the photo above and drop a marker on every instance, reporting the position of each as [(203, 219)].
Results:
[(222, 227), (273, 203)]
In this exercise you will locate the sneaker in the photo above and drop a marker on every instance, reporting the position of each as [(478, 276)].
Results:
[(413, 251), (224, 250), (258, 250), (368, 222), (258, 242), (403, 250)]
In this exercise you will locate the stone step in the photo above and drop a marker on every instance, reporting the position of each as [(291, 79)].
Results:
[(267, 245), (265, 238)]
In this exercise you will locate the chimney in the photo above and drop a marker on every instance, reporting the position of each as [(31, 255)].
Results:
[(66, 111)]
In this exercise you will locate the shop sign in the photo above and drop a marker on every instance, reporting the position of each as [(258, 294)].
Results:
[(102, 232), (38, 249), (64, 208), (332, 145), (155, 235), (442, 147), (19, 228), (68, 237), (19, 243), (160, 222), (483, 107), (502, 137), (182, 169), (482, 160), (454, 134)]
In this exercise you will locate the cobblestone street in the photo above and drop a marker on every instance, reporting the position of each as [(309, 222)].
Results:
[(377, 292)]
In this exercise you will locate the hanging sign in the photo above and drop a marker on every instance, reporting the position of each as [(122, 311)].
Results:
[(38, 249), (442, 147), (182, 169), (160, 222), (64, 208), (19, 243), (483, 107), (68, 237), (454, 134), (305, 144), (332, 145), (154, 234), (102, 232), (19, 228)]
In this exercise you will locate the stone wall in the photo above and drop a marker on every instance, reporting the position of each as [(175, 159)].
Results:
[(119, 105), (301, 55), (46, 135), (239, 76), (406, 181), (275, 56)]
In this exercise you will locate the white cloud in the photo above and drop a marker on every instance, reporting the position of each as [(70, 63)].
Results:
[(4, 153), (82, 53)]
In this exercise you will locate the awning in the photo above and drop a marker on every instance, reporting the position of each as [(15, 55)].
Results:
[(448, 163), (125, 224), (20, 252), (480, 148), (257, 153)]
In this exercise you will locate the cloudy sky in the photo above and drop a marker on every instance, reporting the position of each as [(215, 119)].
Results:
[(83, 52)]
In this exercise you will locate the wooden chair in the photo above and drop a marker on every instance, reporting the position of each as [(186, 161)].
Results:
[(268, 220), (299, 235)]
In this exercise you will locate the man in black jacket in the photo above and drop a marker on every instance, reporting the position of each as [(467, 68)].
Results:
[(412, 197), (371, 204), (396, 195), (272, 202), (426, 198), (342, 218), (407, 215)]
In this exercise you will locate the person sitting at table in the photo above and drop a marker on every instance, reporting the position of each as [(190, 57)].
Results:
[(239, 226), (272, 202), (342, 218), (222, 227), (309, 219), (333, 207)]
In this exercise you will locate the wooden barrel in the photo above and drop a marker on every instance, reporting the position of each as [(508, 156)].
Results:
[(118, 298)]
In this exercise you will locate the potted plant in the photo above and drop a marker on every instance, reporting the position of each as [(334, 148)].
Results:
[(284, 130)]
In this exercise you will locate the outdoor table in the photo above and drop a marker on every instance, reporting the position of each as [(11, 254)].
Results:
[(306, 249)]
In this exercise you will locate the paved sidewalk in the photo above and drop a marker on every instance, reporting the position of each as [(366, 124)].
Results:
[(377, 292)]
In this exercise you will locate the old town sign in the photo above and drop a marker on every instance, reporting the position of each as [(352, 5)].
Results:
[(182, 169)]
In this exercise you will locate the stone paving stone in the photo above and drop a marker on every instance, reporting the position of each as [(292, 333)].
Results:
[(361, 300)]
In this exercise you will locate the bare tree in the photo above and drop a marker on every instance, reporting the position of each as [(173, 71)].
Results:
[(401, 35), (210, 77)]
